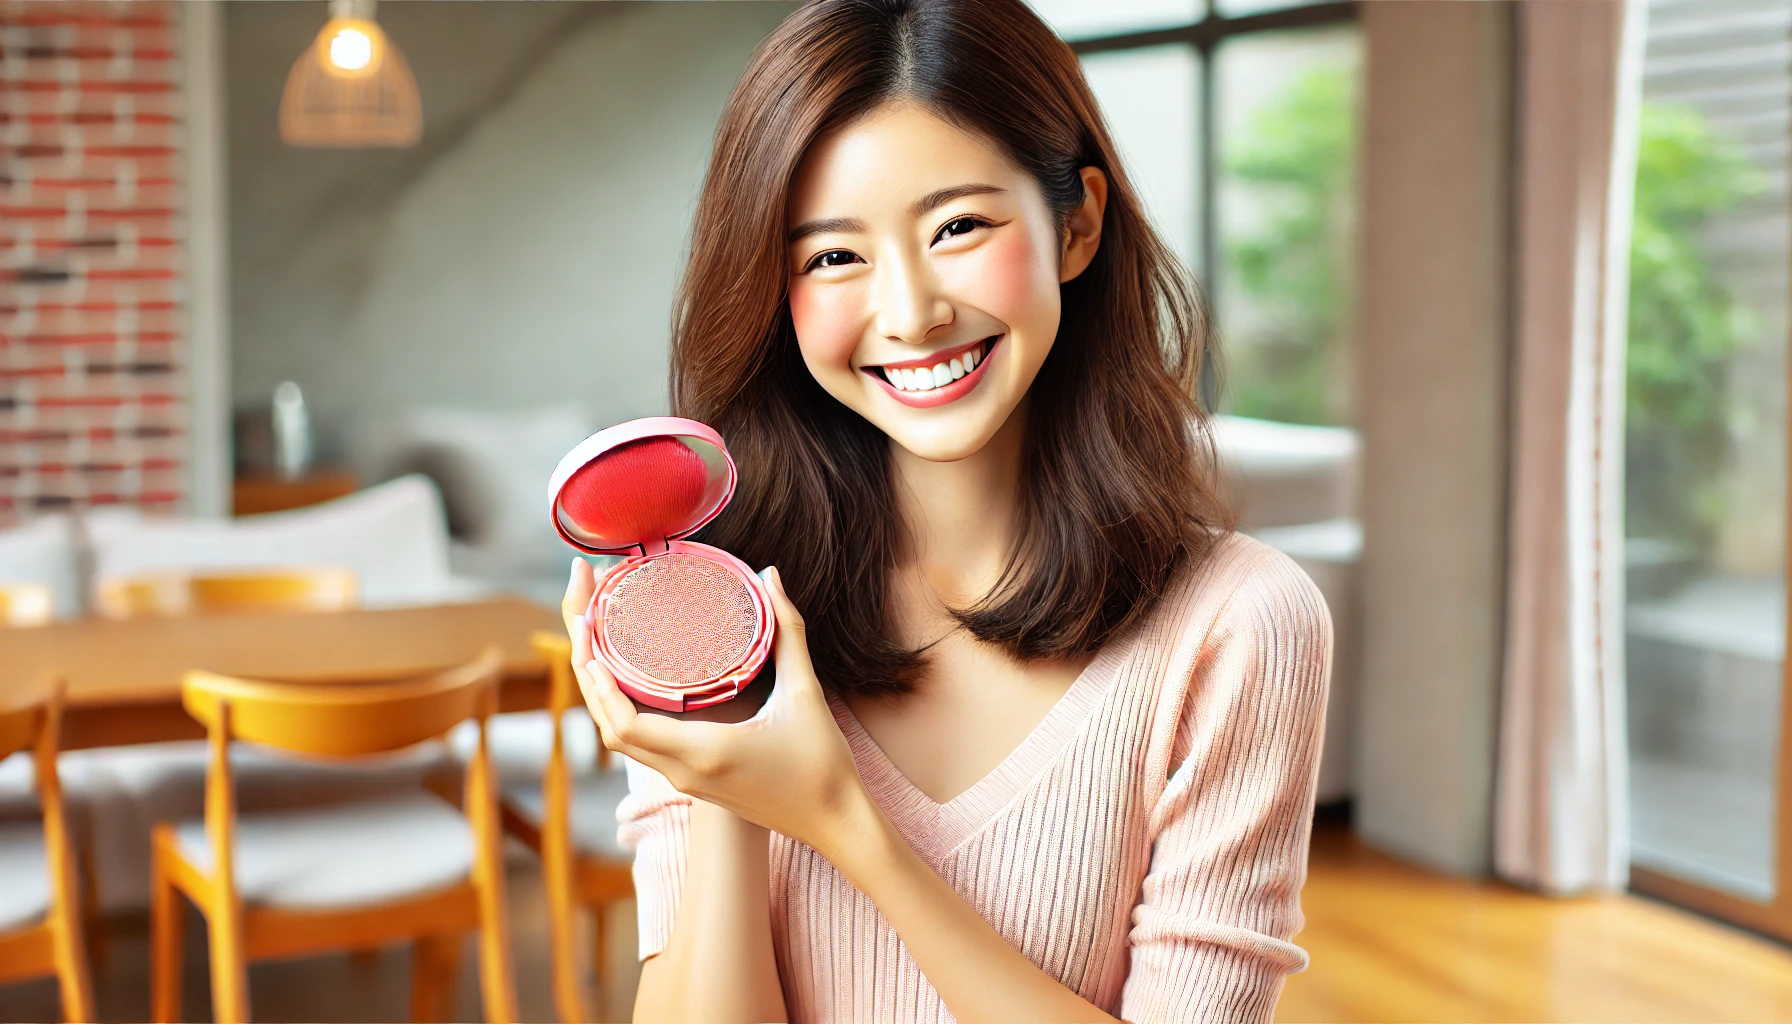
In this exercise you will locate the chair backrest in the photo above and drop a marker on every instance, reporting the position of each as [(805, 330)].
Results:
[(22, 718), (344, 720), (25, 604), (563, 690), (317, 588)]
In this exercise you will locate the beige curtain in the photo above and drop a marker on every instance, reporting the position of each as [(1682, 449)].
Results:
[(1562, 807)]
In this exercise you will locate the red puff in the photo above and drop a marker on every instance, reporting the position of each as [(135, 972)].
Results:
[(639, 491)]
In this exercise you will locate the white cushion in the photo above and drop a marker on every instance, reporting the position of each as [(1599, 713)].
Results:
[(18, 786), (1283, 474), (347, 855), (394, 537), (1330, 542), (595, 797), (24, 875), (125, 791), (45, 551)]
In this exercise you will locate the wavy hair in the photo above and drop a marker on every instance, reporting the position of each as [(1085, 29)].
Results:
[(1118, 481)]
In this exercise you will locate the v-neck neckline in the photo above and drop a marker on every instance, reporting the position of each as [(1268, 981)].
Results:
[(934, 829)]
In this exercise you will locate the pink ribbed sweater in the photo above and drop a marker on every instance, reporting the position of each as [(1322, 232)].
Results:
[(1145, 845)]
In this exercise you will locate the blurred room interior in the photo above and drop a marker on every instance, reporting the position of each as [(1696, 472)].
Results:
[(1502, 292)]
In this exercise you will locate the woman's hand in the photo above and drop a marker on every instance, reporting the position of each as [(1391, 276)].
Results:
[(786, 768)]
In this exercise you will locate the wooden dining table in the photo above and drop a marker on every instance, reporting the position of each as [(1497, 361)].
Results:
[(123, 677)]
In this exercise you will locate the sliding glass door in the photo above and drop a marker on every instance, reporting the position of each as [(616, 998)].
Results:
[(1706, 425)]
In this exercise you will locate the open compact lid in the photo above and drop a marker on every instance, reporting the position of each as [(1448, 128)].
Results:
[(636, 486)]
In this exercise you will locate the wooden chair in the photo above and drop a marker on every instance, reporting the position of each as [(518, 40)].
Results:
[(317, 588), (570, 822), (349, 876), (25, 604), (40, 902), (170, 593)]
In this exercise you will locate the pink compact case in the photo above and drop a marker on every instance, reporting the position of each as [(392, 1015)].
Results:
[(681, 625)]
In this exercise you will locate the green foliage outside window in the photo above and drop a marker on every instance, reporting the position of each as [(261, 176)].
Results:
[(1685, 327), (1298, 154)]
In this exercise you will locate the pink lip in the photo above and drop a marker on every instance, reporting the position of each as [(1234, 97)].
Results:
[(941, 395)]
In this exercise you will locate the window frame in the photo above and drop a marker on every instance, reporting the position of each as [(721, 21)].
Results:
[(1206, 35)]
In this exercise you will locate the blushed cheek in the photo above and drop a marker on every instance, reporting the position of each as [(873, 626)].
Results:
[(1010, 278), (827, 323)]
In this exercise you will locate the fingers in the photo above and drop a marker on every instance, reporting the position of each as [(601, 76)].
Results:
[(622, 728), (580, 629), (579, 586), (792, 645), (637, 735), (788, 616)]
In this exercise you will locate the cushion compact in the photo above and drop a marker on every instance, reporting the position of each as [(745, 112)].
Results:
[(680, 625)]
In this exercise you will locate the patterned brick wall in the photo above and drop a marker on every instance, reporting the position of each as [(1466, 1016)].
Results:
[(92, 341)]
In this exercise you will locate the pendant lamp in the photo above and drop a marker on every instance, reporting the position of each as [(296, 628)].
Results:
[(351, 88)]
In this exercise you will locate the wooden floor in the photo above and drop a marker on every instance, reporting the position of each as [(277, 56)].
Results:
[(1389, 943)]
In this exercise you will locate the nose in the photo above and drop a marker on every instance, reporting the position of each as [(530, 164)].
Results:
[(909, 303)]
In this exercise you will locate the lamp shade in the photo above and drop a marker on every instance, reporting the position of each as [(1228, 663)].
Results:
[(351, 88)]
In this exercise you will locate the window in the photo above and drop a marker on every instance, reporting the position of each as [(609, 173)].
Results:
[(1706, 425), (1151, 98), (1239, 123)]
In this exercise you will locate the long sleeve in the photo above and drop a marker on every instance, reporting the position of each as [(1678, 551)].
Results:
[(1221, 899), (655, 822)]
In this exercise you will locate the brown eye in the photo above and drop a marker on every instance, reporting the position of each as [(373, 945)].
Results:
[(833, 258), (957, 226)]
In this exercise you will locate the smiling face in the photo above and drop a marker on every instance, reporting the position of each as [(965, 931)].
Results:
[(924, 268)]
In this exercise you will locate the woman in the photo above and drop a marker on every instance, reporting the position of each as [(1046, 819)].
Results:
[(1043, 737)]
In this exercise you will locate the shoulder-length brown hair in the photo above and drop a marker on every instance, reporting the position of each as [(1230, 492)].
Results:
[(1117, 480)]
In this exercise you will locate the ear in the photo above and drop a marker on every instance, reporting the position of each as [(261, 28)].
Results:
[(1082, 232)]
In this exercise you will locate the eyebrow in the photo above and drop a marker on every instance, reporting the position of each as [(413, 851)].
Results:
[(820, 227), (934, 200), (931, 201)]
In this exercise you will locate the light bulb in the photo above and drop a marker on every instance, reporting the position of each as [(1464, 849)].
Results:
[(350, 49)]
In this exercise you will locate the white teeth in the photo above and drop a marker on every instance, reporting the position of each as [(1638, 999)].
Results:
[(926, 378)]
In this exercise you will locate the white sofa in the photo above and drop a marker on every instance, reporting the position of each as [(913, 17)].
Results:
[(393, 535)]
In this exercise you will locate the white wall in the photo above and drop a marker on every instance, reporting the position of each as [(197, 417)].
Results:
[(532, 262)]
